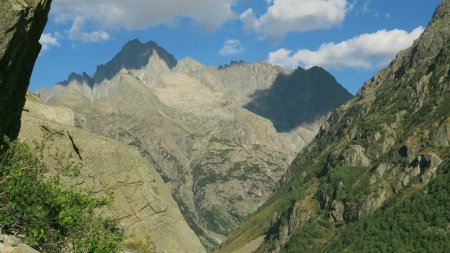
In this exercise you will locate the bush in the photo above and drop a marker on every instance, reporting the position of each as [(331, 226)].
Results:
[(52, 217)]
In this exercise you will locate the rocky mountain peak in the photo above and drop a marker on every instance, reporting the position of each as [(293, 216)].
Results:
[(83, 78), (134, 55), (317, 70)]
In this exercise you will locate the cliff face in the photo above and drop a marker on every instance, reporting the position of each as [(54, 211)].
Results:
[(296, 102), (376, 162), (142, 202), (21, 25)]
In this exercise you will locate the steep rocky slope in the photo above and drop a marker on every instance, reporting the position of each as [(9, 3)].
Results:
[(297, 102), (142, 202), (220, 161), (387, 149), (21, 25), (288, 98)]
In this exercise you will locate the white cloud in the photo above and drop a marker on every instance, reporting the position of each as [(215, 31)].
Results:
[(141, 14), (249, 20), (365, 51), (49, 40), (77, 32), (285, 16), (231, 47)]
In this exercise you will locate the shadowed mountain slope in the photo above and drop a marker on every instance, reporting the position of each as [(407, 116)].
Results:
[(300, 97)]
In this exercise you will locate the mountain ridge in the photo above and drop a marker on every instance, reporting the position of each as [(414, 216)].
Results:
[(220, 160), (388, 143), (134, 55)]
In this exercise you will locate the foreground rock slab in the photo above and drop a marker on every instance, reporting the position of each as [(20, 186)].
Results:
[(21, 25)]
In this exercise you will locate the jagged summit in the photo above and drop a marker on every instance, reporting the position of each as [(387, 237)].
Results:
[(231, 64), (133, 56), (83, 78)]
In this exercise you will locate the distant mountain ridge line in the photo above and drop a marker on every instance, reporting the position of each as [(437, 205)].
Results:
[(289, 98), (220, 159)]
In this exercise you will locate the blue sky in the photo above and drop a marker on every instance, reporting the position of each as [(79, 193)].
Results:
[(352, 39)]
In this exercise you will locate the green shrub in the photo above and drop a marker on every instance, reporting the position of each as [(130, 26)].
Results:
[(52, 217)]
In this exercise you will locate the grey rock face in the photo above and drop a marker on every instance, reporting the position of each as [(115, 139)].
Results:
[(297, 102), (21, 26), (13, 244), (298, 98), (142, 201), (288, 99)]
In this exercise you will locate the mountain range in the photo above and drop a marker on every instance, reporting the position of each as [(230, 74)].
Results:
[(206, 130), (236, 158)]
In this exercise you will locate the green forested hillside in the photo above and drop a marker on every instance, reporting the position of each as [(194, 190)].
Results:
[(415, 222), (370, 182)]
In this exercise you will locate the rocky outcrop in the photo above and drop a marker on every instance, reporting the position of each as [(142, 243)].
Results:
[(21, 25), (13, 244), (142, 202)]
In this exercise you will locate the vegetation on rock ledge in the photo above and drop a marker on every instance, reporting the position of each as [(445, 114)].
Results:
[(51, 217)]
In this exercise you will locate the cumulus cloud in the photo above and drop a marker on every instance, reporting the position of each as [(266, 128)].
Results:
[(285, 16), (77, 32), (49, 40), (139, 14), (231, 47), (365, 51)]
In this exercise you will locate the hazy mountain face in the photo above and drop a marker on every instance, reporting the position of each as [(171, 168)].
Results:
[(220, 161), (380, 161)]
